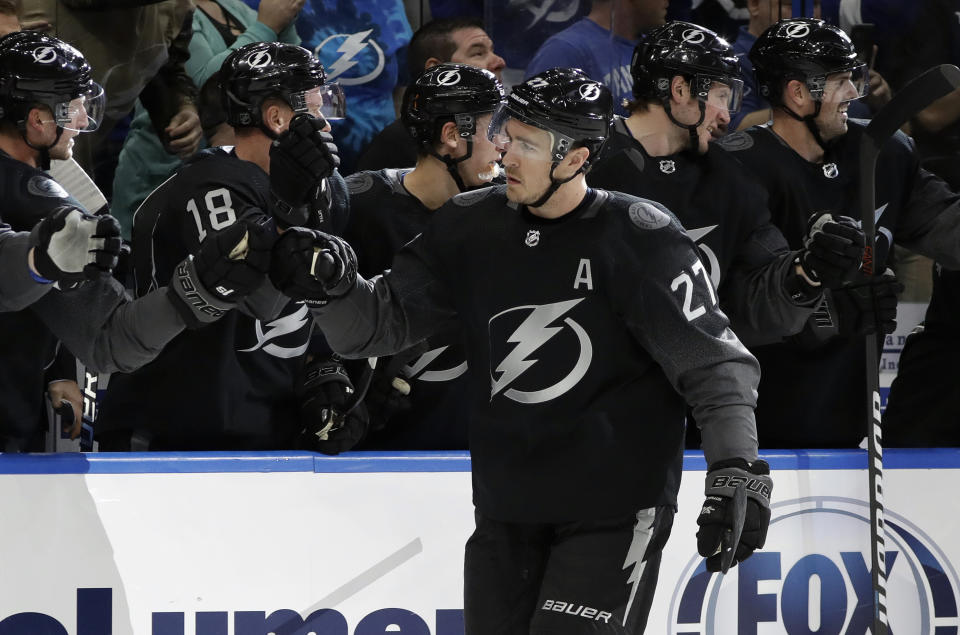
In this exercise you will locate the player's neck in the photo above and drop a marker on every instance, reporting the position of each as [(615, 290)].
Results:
[(255, 149), (658, 135), (431, 183), (796, 135), (566, 199), (16, 147)]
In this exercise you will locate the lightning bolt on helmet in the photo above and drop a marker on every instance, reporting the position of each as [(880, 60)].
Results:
[(696, 53), (804, 49), (263, 70), (449, 92), (564, 101), (40, 69)]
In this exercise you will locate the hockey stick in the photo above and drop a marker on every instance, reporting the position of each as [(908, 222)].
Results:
[(731, 537), (914, 97)]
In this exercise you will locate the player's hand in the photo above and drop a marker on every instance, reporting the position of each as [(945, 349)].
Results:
[(300, 158), (71, 246), (868, 305), (277, 14), (720, 521), (183, 133), (329, 423), (66, 397), (229, 265), (832, 249), (309, 265)]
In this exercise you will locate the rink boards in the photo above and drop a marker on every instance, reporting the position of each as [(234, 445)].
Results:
[(250, 544)]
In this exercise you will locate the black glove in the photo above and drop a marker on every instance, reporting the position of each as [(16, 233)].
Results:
[(312, 266), (301, 158), (389, 392), (832, 249), (229, 265), (867, 305), (71, 246), (717, 519), (329, 423)]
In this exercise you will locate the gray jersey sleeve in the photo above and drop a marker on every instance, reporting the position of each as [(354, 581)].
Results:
[(18, 289), (389, 313), (105, 329), (671, 308)]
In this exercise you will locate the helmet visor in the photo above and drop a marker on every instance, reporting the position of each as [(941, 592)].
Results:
[(327, 100), (520, 136), (725, 94), (83, 113), (847, 85)]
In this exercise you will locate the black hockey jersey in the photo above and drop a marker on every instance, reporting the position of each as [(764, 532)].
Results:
[(384, 217), (29, 195), (814, 395), (726, 215), (229, 385), (585, 335)]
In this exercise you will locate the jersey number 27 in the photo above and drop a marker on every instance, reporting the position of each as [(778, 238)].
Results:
[(686, 281)]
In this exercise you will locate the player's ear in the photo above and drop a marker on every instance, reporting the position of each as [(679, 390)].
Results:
[(679, 89), (449, 137), (795, 92), (572, 162), (431, 62), (274, 117), (36, 116)]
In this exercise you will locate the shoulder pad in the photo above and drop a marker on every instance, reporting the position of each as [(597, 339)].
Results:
[(646, 215), (466, 199), (736, 141), (359, 183), (43, 185)]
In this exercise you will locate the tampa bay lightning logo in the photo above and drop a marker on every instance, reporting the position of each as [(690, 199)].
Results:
[(448, 78), (590, 92), (434, 365), (542, 357), (797, 30), (41, 185), (693, 36), (297, 325), (554, 11), (351, 58), (259, 59), (44, 55), (821, 584)]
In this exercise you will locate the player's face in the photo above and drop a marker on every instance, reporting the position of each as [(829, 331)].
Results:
[(839, 90), (526, 160), (474, 47), (481, 167), (716, 115), (47, 135)]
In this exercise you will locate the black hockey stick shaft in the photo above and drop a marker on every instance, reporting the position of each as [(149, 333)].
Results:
[(914, 97)]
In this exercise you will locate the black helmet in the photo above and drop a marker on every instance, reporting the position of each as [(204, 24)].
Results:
[(261, 70), (577, 109), (683, 48), (40, 69), (449, 92), (804, 49)]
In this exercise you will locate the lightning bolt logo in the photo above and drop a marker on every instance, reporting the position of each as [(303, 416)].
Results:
[(642, 532), (278, 328), (348, 49), (534, 332), (712, 260)]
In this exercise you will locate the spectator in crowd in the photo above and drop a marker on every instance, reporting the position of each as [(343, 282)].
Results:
[(756, 109), (56, 281), (10, 16), (460, 40), (137, 49), (416, 398), (240, 384), (812, 393), (581, 352), (361, 44), (602, 44), (219, 28)]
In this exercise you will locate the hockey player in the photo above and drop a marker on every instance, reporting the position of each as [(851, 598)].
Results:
[(57, 258), (588, 320), (235, 385), (419, 394), (686, 84), (813, 388)]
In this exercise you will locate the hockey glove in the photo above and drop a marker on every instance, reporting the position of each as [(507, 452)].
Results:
[(301, 158), (229, 265), (389, 393), (312, 266), (71, 246), (832, 249), (329, 422), (729, 532), (868, 305)]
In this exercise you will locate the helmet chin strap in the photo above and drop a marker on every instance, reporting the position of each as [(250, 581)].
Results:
[(691, 128), (810, 122), (453, 165), (554, 185)]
